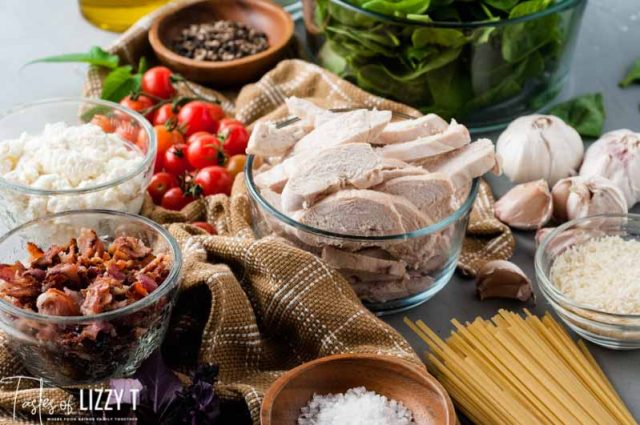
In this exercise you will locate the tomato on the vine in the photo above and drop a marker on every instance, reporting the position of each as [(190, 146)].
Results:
[(234, 139), (160, 184), (129, 131), (157, 82), (228, 122), (235, 164), (139, 104), (198, 135), (166, 136), (175, 199), (163, 114), (213, 180), (175, 160), (205, 226), (107, 124), (198, 115), (205, 151)]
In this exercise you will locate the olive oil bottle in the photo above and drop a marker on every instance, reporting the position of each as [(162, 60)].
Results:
[(117, 15)]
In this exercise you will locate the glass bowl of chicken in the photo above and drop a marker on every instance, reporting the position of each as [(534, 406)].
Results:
[(86, 295), (382, 197)]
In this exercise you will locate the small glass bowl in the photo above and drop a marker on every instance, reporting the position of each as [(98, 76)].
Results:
[(138, 329), (616, 331), (20, 203), (381, 294), (484, 73)]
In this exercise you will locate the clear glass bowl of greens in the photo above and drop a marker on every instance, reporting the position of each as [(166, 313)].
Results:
[(483, 62)]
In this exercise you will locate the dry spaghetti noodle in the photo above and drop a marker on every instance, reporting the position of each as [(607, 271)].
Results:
[(514, 370)]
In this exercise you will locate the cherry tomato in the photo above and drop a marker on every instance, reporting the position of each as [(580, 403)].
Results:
[(157, 82), (198, 135), (107, 124), (235, 139), (235, 165), (228, 122), (175, 160), (166, 136), (205, 151), (129, 131), (164, 114), (213, 180), (205, 226), (175, 199), (139, 104), (200, 116), (159, 185)]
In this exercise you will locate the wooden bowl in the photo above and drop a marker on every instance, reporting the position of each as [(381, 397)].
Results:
[(389, 376), (262, 15)]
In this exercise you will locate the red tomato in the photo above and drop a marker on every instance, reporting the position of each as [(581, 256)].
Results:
[(175, 160), (235, 165), (228, 122), (175, 199), (129, 131), (213, 180), (200, 116), (235, 139), (139, 104), (198, 135), (157, 82), (165, 137), (159, 185), (107, 124), (164, 114), (205, 226), (205, 151)]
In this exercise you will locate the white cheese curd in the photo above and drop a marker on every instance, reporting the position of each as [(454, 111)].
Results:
[(65, 157)]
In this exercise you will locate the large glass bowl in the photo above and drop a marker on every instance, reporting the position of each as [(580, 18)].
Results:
[(484, 73), (617, 331), (125, 192), (438, 247), (130, 334)]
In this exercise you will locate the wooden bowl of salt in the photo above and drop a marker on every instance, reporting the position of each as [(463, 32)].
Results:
[(392, 377)]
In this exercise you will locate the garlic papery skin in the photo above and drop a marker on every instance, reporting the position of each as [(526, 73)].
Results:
[(579, 196), (537, 147), (616, 156), (527, 206), (502, 279)]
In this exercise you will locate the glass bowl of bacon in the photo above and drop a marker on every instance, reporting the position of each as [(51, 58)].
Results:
[(86, 295)]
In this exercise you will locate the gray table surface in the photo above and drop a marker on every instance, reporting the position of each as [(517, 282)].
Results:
[(608, 43)]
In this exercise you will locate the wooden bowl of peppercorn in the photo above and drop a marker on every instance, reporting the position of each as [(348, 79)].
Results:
[(222, 42)]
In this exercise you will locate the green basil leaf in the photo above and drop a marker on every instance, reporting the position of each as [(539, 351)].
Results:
[(119, 83), (633, 76), (143, 65), (584, 113), (95, 56)]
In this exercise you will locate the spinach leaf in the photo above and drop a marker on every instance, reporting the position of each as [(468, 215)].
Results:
[(520, 40), (584, 113), (633, 76), (397, 8), (505, 5), (95, 56)]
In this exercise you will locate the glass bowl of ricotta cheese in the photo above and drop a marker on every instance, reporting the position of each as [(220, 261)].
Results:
[(67, 154)]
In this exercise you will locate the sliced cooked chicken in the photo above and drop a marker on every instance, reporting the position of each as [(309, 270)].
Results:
[(454, 137), (269, 140), (363, 265), (310, 113), (408, 130)]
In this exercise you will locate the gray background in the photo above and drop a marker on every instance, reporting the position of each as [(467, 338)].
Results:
[(609, 41)]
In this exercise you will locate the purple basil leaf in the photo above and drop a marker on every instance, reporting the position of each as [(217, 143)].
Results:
[(159, 382), (124, 386)]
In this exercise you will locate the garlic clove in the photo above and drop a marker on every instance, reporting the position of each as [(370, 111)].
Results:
[(543, 233), (579, 196), (503, 279), (540, 147), (526, 206)]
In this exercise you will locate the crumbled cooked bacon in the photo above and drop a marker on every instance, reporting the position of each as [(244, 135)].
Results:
[(15, 283), (70, 255), (57, 303), (147, 283), (63, 275), (97, 296), (129, 248), (34, 251), (49, 258), (89, 244), (157, 269), (92, 330)]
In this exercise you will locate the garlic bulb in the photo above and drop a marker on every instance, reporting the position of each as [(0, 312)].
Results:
[(526, 206), (616, 156), (540, 147), (502, 279), (579, 196)]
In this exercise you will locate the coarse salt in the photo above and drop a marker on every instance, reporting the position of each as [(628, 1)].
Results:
[(355, 407), (602, 273)]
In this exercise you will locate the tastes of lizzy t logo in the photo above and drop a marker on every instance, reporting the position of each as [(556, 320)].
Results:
[(37, 404)]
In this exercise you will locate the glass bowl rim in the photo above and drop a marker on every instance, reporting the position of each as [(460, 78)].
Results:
[(162, 289), (549, 289), (149, 157), (254, 193), (554, 8)]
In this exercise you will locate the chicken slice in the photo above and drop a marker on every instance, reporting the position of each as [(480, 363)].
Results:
[(311, 114), (408, 130), (454, 137), (267, 139), (359, 126), (362, 265)]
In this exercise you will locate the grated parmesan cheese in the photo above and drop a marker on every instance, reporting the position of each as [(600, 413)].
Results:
[(603, 274)]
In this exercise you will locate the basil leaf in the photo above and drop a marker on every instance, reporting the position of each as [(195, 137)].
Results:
[(584, 113), (119, 83), (95, 56), (633, 76)]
